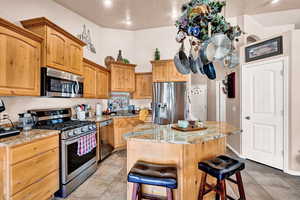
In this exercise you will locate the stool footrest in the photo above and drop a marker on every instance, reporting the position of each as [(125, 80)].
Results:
[(231, 180), (153, 197)]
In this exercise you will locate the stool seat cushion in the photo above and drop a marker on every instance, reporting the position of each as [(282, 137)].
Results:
[(153, 174), (221, 167)]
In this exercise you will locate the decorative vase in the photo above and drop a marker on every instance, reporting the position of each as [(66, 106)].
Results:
[(120, 58)]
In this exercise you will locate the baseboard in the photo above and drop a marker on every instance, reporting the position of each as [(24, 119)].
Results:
[(235, 152), (292, 172)]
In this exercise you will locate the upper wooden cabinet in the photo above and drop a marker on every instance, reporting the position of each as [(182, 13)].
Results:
[(165, 71), (143, 86), (96, 80), (61, 50), (20, 60), (122, 77)]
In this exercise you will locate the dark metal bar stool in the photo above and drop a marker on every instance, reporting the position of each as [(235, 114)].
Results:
[(152, 174), (222, 168)]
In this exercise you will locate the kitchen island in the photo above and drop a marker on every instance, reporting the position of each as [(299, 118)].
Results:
[(163, 145)]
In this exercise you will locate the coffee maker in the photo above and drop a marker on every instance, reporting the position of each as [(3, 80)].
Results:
[(6, 131)]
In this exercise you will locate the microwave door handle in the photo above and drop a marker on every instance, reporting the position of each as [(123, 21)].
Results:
[(76, 87)]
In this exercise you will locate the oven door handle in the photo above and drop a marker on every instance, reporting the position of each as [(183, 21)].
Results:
[(74, 140)]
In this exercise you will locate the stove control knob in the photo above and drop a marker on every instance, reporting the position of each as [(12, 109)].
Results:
[(70, 133), (91, 127), (77, 132), (94, 126)]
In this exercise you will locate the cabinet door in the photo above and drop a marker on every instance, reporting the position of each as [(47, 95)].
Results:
[(160, 72), (75, 55), (57, 50), (89, 81), (19, 64), (122, 79), (143, 86), (102, 84)]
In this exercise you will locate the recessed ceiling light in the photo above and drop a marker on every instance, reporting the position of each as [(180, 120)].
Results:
[(107, 3), (128, 22), (174, 14), (274, 1)]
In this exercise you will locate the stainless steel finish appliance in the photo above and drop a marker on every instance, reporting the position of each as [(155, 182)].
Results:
[(56, 83), (169, 102), (106, 138), (74, 169)]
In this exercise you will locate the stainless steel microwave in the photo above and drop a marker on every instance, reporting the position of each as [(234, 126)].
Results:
[(56, 83)]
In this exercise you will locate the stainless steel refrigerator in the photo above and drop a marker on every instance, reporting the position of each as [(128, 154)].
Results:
[(169, 102)]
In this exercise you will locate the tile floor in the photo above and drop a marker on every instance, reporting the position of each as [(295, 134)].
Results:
[(261, 182)]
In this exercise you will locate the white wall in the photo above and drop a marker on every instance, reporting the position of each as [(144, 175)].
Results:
[(107, 41)]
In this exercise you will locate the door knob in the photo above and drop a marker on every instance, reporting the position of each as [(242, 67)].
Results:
[(247, 118)]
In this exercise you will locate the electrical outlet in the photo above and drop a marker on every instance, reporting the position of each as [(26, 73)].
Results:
[(4, 116)]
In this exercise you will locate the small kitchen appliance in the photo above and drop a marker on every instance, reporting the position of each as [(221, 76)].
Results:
[(7, 131), (56, 83), (74, 168), (26, 121)]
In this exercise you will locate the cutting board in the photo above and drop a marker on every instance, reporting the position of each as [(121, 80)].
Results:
[(190, 128)]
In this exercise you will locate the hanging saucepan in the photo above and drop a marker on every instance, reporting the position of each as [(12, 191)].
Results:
[(209, 70), (232, 60), (182, 62), (216, 48)]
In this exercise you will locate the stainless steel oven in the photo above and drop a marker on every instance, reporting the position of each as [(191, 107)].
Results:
[(75, 169), (56, 83)]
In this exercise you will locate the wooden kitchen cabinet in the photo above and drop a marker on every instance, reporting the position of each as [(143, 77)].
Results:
[(96, 80), (143, 86), (60, 49), (122, 126), (30, 171), (20, 59), (165, 71), (122, 77)]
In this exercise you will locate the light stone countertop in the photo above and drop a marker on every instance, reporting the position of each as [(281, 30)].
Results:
[(165, 134), (108, 117), (26, 137)]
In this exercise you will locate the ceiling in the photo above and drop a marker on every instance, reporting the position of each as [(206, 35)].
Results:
[(142, 14)]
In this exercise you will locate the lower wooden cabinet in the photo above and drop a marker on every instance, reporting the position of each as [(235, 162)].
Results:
[(143, 86), (122, 126), (31, 170), (20, 61), (96, 80)]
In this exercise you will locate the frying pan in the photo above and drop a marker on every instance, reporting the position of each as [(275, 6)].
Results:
[(182, 62), (209, 70), (231, 61), (215, 48)]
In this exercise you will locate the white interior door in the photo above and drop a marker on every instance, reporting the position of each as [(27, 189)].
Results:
[(220, 102), (262, 112)]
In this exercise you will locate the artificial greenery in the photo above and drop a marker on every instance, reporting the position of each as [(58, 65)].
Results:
[(198, 14)]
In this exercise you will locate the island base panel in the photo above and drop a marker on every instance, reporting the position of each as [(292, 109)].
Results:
[(186, 158)]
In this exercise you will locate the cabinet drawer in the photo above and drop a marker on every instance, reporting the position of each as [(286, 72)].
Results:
[(30, 171), (41, 190), (27, 151)]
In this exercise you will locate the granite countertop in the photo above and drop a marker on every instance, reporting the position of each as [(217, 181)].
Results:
[(108, 117), (26, 137), (165, 134)]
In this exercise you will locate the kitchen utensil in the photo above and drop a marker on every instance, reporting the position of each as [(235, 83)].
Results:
[(209, 70), (216, 48), (2, 106), (231, 60), (182, 62), (27, 121), (98, 109)]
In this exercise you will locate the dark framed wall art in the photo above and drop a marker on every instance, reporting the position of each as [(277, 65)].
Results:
[(265, 49)]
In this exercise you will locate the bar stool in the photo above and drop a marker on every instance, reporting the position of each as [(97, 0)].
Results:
[(222, 168), (152, 174)]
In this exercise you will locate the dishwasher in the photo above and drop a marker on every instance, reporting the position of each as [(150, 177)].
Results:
[(106, 139)]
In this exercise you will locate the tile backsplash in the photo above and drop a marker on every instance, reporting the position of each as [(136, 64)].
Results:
[(16, 105)]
